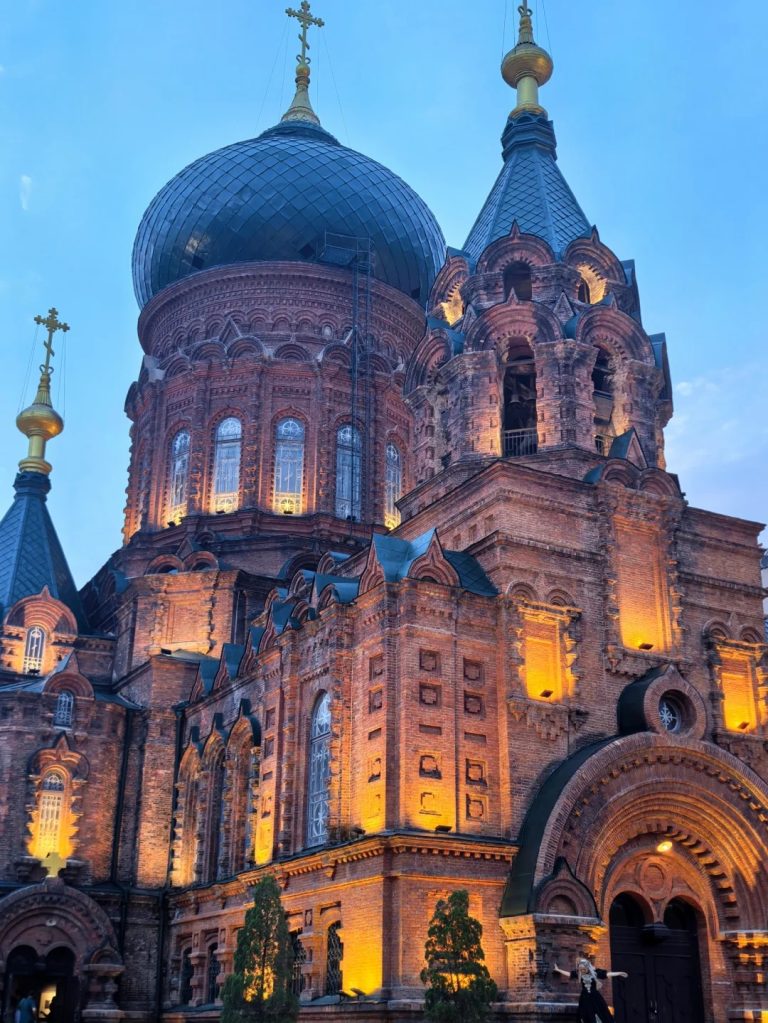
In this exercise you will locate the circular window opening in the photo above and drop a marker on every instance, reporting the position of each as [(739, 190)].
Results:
[(671, 713)]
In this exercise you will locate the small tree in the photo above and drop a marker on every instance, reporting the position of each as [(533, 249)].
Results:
[(259, 990), (459, 986)]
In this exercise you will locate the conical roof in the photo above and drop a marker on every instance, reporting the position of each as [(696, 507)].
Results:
[(31, 556), (530, 190)]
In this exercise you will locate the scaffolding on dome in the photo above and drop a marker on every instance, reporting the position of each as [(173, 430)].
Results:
[(358, 254)]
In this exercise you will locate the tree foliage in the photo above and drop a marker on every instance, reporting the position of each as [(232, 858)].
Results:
[(259, 989), (459, 986)]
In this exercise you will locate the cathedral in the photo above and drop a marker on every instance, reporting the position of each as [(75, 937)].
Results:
[(408, 601)]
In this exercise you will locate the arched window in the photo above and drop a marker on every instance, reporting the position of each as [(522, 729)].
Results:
[(215, 815), (520, 416), (65, 705), (602, 384), (226, 465), (319, 768), (214, 966), (348, 466), (244, 770), (178, 476), (289, 467), (187, 865), (34, 650), (53, 792), (517, 278), (185, 978), (393, 486)]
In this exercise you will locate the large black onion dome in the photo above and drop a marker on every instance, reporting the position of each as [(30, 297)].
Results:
[(274, 198)]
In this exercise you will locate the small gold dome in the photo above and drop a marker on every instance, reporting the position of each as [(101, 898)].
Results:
[(40, 421), (526, 60)]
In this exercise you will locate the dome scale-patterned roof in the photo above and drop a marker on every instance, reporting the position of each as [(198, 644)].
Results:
[(275, 198)]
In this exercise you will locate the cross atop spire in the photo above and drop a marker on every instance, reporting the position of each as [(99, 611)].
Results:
[(51, 323), (305, 18), (301, 108)]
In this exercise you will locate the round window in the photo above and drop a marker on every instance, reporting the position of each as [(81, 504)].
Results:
[(670, 713)]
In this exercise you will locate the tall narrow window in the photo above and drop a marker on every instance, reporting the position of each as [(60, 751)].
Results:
[(214, 966), (188, 853), (185, 978), (333, 975), (226, 465), (34, 650), (179, 476), (65, 705), (348, 466), (517, 278), (393, 486), (319, 764), (215, 815), (289, 467), (520, 417), (51, 815)]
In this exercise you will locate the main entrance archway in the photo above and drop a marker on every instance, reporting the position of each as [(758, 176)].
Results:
[(49, 979), (662, 960)]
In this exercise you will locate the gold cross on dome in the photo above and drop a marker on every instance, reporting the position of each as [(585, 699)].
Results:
[(51, 323), (305, 19)]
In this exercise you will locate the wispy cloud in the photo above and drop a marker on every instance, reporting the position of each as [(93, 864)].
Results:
[(25, 191)]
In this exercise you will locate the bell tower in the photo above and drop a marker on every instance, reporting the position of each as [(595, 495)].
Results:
[(535, 347)]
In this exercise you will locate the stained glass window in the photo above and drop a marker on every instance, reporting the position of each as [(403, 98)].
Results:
[(179, 476), (393, 486), (226, 465), (348, 466), (34, 649), (289, 467), (319, 769)]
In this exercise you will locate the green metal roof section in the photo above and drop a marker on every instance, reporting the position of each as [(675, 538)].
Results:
[(530, 190), (31, 556)]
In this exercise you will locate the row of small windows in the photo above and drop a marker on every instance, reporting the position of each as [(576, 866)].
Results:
[(290, 438)]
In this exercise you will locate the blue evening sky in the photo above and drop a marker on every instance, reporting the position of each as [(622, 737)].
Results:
[(660, 111)]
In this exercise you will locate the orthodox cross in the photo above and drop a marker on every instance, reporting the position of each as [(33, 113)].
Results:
[(305, 19), (51, 323)]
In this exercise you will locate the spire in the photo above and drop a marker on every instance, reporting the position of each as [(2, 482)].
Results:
[(39, 421), (301, 107), (526, 67), (530, 191)]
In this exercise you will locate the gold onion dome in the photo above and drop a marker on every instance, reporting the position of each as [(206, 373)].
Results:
[(526, 67), (40, 422)]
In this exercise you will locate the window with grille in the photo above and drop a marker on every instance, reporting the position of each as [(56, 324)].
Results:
[(289, 467), (214, 967), (52, 795), (226, 465), (65, 705), (393, 486), (333, 975), (179, 476), (34, 649), (319, 766), (348, 475), (299, 959)]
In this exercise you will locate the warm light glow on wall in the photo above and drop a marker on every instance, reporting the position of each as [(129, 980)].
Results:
[(664, 847), (642, 589), (51, 827), (543, 671), (363, 937), (739, 712), (453, 307)]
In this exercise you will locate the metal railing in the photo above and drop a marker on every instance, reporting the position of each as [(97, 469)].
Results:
[(520, 442)]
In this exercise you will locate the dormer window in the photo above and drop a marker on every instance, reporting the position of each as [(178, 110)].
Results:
[(34, 650), (517, 278)]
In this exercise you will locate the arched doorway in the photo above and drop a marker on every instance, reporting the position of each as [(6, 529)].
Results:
[(50, 980), (662, 960)]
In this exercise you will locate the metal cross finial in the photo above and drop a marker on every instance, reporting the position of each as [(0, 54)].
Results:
[(305, 18), (51, 323)]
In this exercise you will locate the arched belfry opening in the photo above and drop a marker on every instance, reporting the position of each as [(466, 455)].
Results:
[(662, 960), (603, 397), (517, 279), (520, 436)]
